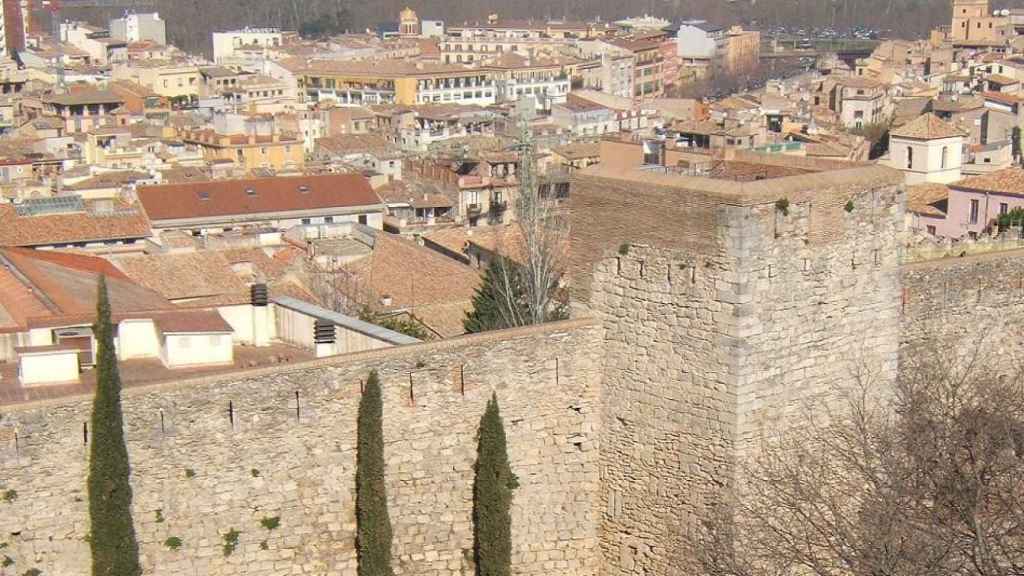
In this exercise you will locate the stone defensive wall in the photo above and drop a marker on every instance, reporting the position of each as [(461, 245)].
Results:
[(726, 306), (974, 301), (221, 453)]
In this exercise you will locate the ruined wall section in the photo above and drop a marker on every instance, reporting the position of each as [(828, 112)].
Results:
[(223, 453)]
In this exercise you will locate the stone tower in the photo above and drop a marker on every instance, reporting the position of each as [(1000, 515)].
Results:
[(972, 22), (726, 304)]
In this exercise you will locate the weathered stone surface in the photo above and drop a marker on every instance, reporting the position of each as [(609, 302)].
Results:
[(711, 341), (296, 461)]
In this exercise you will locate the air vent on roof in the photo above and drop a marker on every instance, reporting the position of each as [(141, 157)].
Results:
[(250, 191), (204, 195), (304, 189)]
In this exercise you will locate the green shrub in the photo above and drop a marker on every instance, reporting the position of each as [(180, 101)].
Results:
[(230, 541), (159, 515), (270, 522), (10, 496), (7, 562), (190, 473), (782, 205), (849, 206), (255, 473), (173, 543), (623, 249), (1014, 217), (264, 545)]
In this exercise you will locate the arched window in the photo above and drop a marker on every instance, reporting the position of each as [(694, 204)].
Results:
[(910, 157), (945, 156)]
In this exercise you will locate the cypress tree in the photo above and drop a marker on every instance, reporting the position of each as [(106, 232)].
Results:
[(492, 497), (115, 552), (373, 526)]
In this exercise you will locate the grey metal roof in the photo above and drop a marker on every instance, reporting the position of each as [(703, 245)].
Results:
[(344, 321)]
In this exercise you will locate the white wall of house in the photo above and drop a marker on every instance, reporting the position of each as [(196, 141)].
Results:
[(52, 367), (240, 317), (923, 161), (40, 337), (205, 349), (137, 339)]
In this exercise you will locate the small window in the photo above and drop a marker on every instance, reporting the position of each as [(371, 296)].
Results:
[(362, 219), (306, 221), (931, 230), (1004, 207), (328, 219), (975, 208), (910, 157)]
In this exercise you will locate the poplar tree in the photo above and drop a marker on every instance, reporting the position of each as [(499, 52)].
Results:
[(492, 497), (373, 526), (115, 551)]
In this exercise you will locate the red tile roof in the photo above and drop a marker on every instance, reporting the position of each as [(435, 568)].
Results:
[(47, 288), (927, 127), (1005, 181), (70, 228), (256, 196), (191, 321)]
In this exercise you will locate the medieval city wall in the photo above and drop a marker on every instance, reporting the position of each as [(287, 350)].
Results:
[(974, 302), (725, 316), (223, 453)]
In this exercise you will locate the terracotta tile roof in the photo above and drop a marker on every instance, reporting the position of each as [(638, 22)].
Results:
[(69, 228), (355, 143), (452, 239), (256, 196), (109, 179), (1006, 181), (927, 127), (85, 97), (1001, 79), (1002, 98), (579, 150), (51, 288), (927, 199), (191, 321), (208, 277), (202, 277), (434, 288)]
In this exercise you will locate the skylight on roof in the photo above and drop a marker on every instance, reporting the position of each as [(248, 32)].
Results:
[(304, 189), (204, 195), (250, 191)]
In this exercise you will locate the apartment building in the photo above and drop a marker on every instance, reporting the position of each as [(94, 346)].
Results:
[(395, 82), (250, 142), (139, 28), (547, 80), (227, 45)]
